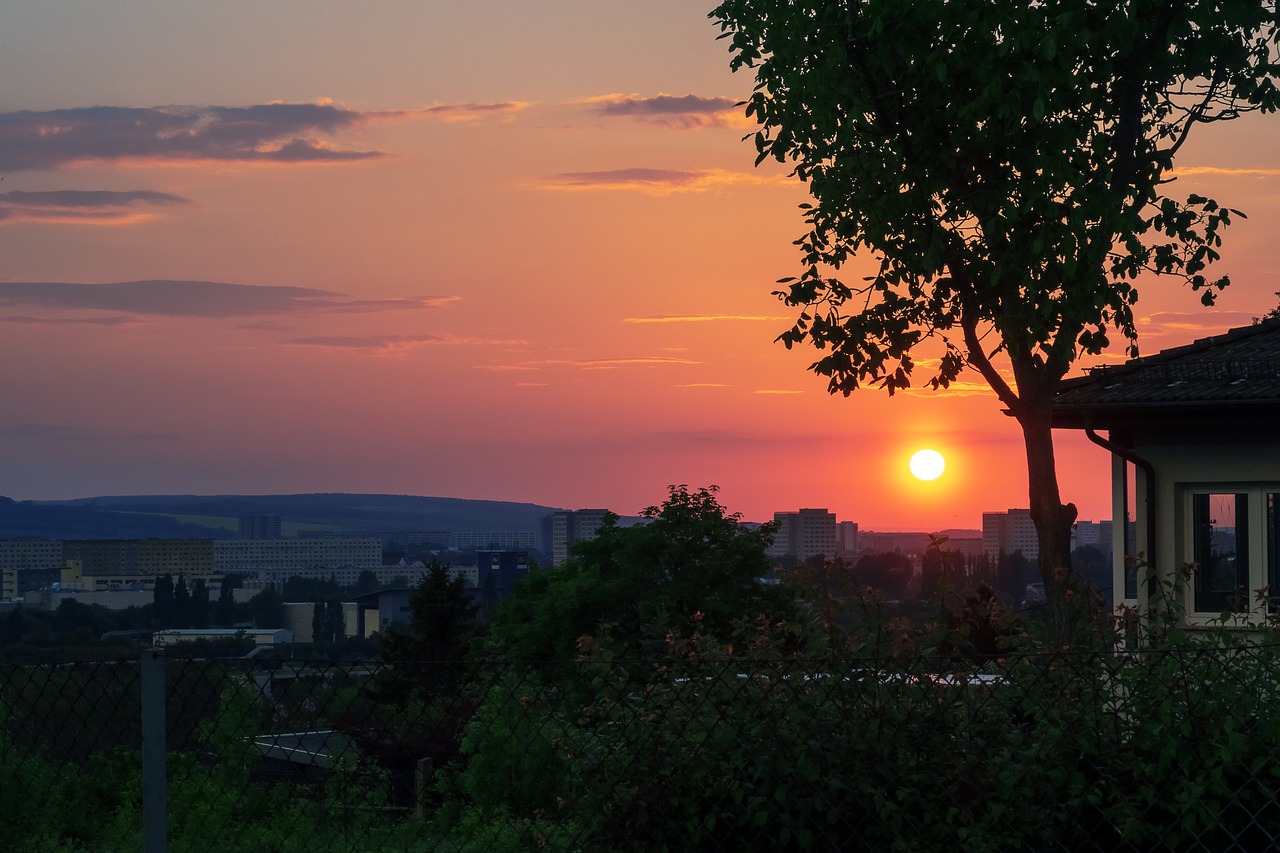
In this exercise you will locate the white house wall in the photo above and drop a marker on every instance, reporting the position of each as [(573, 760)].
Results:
[(1223, 467)]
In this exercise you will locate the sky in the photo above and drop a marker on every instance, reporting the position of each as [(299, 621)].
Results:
[(496, 249)]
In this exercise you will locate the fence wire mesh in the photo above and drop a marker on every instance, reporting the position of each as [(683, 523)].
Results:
[(1153, 750)]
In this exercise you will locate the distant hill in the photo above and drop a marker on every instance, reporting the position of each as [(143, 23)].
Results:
[(959, 533), (216, 516)]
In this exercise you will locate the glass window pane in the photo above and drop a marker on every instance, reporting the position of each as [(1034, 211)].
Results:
[(1221, 552), (1273, 552), (1129, 537)]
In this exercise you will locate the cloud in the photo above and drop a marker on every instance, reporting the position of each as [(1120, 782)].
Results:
[(704, 385), (776, 391), (678, 111), (264, 133), (655, 181), (642, 361), (395, 344), (169, 298), (20, 320), (701, 318), (958, 388), (96, 207), (462, 112), (62, 434), (1198, 323), (1226, 171), (589, 363)]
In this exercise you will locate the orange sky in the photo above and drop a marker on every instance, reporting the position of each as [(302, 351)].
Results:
[(489, 250)]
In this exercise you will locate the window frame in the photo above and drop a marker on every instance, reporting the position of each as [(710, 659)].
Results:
[(1260, 547)]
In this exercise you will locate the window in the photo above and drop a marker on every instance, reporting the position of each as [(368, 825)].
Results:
[(1220, 527), (1232, 534)]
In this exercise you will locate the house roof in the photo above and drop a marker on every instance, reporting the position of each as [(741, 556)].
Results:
[(1237, 372)]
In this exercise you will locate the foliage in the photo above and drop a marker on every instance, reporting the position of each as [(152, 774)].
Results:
[(225, 614), (1171, 748), (442, 618), (162, 602), (1006, 166), (267, 608), (1160, 750), (426, 655), (199, 613), (689, 557)]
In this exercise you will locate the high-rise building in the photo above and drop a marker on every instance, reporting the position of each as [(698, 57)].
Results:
[(804, 534), (250, 555), (259, 527), (847, 543), (497, 573), (1009, 532), (569, 527)]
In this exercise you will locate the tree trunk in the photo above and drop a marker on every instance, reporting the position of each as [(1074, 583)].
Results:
[(1068, 604)]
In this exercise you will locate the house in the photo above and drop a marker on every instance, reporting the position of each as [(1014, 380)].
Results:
[(1194, 434)]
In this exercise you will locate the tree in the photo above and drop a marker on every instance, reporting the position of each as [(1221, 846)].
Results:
[(1006, 165), (319, 622), (226, 607), (199, 605), (267, 608), (336, 621), (162, 602), (367, 581), (690, 560), (888, 572), (441, 621), (181, 604)]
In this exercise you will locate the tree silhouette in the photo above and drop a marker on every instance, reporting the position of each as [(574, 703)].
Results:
[(690, 559), (199, 604), (226, 614), (427, 652), (1006, 168), (162, 602), (181, 604), (336, 622), (320, 622)]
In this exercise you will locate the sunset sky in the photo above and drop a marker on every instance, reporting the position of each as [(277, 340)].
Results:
[(493, 249)]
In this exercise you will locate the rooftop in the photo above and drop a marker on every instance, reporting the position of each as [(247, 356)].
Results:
[(1238, 371)]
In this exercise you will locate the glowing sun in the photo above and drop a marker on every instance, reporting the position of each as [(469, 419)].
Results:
[(928, 464)]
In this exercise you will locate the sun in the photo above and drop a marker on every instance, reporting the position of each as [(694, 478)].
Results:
[(928, 464)]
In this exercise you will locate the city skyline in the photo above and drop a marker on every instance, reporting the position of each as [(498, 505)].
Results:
[(480, 251)]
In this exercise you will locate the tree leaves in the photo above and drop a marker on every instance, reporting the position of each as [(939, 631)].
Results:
[(1004, 162)]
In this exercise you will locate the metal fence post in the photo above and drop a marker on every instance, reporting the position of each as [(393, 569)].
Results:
[(155, 834)]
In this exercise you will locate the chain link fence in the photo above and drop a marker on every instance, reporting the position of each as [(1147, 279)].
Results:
[(1143, 751)]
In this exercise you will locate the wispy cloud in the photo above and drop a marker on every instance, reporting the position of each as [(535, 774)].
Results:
[(395, 344), (1191, 324), (172, 298), (1227, 171), (654, 181), (778, 391), (588, 363), (267, 133), (642, 361), (117, 320), (678, 111), (63, 434), (702, 318), (94, 207), (462, 112), (704, 385), (958, 388)]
